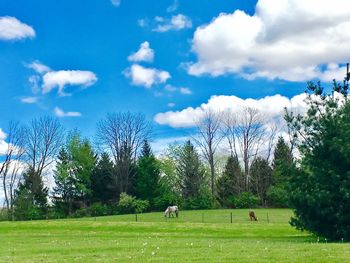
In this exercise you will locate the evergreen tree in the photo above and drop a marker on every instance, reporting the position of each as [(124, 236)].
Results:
[(31, 197), (261, 178), (319, 187), (102, 181), (190, 171), (283, 160), (230, 183), (147, 186), (63, 192)]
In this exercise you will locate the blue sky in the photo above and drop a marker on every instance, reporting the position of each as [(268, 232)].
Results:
[(87, 49)]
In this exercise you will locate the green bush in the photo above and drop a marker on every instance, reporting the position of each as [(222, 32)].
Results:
[(130, 204), (277, 196), (202, 201), (246, 200), (99, 209), (167, 198)]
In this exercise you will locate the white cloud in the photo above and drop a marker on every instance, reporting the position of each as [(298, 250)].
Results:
[(294, 40), (13, 29), (182, 90), (270, 106), (38, 67), (62, 78), (142, 22), (177, 22), (116, 2), (145, 53), (147, 77), (171, 104), (3, 144), (173, 7), (30, 100), (60, 113)]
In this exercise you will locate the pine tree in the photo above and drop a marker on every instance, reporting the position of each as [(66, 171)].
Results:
[(190, 171), (31, 197), (231, 182), (147, 186), (282, 162), (102, 181), (261, 178)]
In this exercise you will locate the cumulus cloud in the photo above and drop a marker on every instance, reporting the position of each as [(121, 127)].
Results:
[(47, 79), (116, 2), (293, 40), (177, 22), (3, 144), (30, 100), (147, 77), (271, 107), (62, 78), (60, 113), (145, 53), (13, 29)]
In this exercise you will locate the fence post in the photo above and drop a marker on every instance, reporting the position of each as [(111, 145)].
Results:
[(136, 217), (267, 216), (231, 217), (202, 218)]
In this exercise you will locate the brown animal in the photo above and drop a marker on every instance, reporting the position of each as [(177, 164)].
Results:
[(252, 216)]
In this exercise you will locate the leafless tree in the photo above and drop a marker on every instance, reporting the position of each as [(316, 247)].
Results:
[(271, 133), (122, 134), (43, 139), (10, 167), (208, 139), (229, 127), (250, 134)]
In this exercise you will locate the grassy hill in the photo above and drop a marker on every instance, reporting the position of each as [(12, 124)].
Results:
[(197, 236)]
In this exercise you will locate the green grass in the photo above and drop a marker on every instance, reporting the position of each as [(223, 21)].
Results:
[(155, 239)]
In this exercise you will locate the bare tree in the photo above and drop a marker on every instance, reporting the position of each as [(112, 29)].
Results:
[(10, 167), (230, 131), (43, 139), (271, 133), (208, 139), (250, 134), (122, 134)]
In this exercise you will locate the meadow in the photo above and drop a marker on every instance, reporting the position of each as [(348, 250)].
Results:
[(196, 236)]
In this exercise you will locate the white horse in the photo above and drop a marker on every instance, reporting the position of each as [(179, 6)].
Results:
[(170, 210)]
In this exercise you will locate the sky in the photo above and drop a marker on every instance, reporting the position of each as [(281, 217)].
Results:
[(170, 59)]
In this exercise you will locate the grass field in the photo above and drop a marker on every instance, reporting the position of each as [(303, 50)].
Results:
[(197, 236)]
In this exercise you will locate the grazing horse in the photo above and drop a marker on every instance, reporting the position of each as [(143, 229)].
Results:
[(170, 210), (252, 216)]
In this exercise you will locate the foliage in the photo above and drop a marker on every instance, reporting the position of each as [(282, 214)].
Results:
[(129, 204), (261, 178), (320, 185), (230, 183), (190, 172), (31, 197), (147, 183), (245, 200)]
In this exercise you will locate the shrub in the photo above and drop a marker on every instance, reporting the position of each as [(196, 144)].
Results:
[(246, 200), (98, 209), (130, 204), (203, 201), (277, 196)]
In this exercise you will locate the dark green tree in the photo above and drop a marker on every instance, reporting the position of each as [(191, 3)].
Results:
[(261, 178), (63, 191), (31, 197), (230, 183), (320, 184), (282, 163), (147, 185), (102, 181)]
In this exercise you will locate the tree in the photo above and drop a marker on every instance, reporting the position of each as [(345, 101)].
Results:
[(282, 162), (320, 185), (190, 171), (230, 183), (261, 176), (122, 135), (208, 140), (11, 164), (147, 183), (31, 197), (104, 188)]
